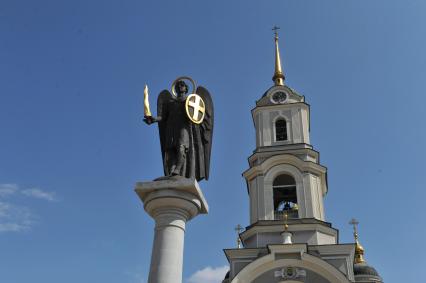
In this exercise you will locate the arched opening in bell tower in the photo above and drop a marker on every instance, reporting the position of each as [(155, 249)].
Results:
[(285, 197)]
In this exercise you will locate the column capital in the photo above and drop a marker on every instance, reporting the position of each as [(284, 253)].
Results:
[(172, 195)]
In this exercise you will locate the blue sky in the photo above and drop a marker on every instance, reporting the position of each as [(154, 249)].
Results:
[(73, 143)]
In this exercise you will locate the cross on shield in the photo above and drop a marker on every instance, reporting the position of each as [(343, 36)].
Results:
[(195, 108)]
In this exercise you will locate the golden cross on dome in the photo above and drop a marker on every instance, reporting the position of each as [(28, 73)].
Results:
[(354, 223), (359, 249)]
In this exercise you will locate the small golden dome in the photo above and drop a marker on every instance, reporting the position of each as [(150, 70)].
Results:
[(359, 248), (359, 251)]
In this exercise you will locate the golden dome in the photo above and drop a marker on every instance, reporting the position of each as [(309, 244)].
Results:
[(359, 251)]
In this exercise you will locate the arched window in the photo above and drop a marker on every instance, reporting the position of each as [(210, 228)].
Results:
[(281, 130), (285, 197)]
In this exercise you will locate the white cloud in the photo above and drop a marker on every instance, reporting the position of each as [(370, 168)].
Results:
[(15, 218), (40, 194), (209, 275), (8, 189)]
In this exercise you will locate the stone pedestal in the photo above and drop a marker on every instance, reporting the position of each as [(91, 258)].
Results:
[(171, 202)]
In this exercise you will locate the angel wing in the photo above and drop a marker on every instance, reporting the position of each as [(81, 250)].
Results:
[(206, 128), (163, 100)]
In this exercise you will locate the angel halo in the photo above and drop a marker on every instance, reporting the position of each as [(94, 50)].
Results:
[(183, 78)]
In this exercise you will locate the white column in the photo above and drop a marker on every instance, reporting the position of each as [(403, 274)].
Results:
[(167, 250), (171, 203)]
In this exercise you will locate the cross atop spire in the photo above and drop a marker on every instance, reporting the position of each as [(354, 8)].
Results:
[(275, 29), (355, 223), (278, 77), (359, 250)]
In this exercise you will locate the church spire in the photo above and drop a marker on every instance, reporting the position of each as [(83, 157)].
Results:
[(278, 77), (359, 250)]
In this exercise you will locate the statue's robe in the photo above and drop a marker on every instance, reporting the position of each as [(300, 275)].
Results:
[(177, 130)]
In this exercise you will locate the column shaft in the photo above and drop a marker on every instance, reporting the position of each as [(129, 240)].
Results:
[(167, 251)]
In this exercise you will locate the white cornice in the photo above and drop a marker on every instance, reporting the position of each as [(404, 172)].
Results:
[(284, 159), (257, 109), (242, 253), (278, 228)]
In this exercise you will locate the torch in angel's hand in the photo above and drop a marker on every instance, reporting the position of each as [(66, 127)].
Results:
[(147, 112)]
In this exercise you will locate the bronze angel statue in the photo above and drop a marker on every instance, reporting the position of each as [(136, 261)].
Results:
[(185, 124)]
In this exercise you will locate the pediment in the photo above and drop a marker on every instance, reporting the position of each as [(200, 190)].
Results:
[(289, 263), (289, 95)]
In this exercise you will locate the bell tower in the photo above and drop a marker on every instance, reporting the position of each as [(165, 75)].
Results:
[(288, 239), (285, 175)]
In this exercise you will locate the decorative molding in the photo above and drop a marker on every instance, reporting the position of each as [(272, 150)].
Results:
[(291, 273)]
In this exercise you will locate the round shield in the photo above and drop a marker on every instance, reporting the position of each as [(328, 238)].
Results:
[(195, 108)]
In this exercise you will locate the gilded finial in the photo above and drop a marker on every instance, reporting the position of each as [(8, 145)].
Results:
[(278, 77), (285, 221), (359, 250), (286, 234), (238, 229)]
